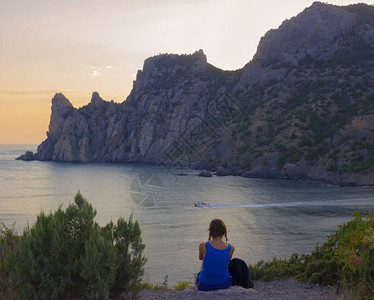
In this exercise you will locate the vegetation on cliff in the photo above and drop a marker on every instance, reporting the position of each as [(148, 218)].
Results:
[(347, 259), (67, 252)]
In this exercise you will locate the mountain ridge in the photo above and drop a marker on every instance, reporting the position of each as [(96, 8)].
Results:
[(303, 108)]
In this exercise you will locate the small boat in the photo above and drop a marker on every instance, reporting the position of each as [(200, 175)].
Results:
[(201, 204)]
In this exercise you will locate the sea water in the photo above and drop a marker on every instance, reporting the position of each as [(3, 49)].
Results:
[(265, 218)]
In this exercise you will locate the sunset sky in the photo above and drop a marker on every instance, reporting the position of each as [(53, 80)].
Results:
[(80, 46)]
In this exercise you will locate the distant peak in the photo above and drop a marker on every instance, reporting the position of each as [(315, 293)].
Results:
[(96, 96), (310, 31), (199, 53), (60, 100), (318, 3), (201, 56), (96, 100)]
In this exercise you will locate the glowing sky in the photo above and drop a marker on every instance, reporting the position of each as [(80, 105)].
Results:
[(80, 46)]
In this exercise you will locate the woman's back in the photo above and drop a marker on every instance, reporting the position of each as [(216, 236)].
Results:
[(215, 265), (215, 255)]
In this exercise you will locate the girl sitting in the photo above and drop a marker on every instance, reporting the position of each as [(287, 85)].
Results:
[(215, 255)]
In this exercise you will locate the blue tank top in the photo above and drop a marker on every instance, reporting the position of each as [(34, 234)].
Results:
[(215, 265)]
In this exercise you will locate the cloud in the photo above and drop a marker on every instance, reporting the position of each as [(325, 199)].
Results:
[(95, 73)]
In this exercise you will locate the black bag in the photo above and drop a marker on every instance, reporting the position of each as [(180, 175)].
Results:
[(240, 273)]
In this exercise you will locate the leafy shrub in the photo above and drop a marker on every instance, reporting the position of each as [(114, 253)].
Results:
[(296, 156), (246, 165), (9, 241), (303, 267), (293, 155), (43, 267), (355, 253), (126, 236), (305, 141), (347, 256), (99, 265), (311, 154), (360, 164), (67, 249)]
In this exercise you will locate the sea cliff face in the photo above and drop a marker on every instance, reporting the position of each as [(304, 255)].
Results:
[(302, 108)]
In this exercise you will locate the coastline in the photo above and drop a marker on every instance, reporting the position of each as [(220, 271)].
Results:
[(222, 172)]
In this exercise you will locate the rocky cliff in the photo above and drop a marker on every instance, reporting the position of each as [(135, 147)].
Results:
[(302, 108)]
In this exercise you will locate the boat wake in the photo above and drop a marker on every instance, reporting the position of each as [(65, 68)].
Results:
[(349, 202)]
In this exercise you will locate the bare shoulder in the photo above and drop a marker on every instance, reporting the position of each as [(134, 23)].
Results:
[(202, 251), (202, 246)]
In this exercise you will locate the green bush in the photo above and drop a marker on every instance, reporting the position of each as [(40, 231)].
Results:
[(126, 236), (355, 253), (303, 267), (99, 265), (246, 165), (67, 250), (9, 241), (305, 141), (43, 267), (347, 256)]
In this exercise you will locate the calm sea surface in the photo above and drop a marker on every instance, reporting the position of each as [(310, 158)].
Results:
[(266, 218)]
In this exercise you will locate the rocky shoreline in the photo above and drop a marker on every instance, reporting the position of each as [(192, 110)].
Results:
[(275, 174), (285, 289), (262, 173)]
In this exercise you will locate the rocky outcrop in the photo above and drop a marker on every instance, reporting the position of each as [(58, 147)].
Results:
[(221, 171), (294, 171), (301, 109), (29, 155), (312, 32), (205, 174), (262, 172)]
